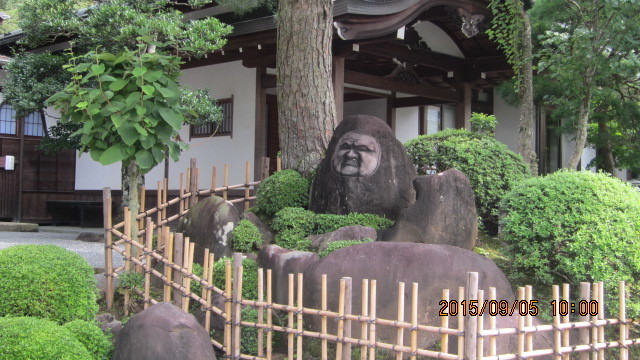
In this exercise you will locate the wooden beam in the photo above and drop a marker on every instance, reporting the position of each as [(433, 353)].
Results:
[(426, 58), (423, 90), (338, 85), (268, 81), (391, 114), (414, 101)]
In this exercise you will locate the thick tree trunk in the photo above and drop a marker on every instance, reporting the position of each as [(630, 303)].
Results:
[(581, 133), (131, 181), (527, 109), (306, 106), (604, 149)]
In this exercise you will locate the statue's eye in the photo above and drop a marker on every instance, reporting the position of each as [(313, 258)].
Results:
[(363, 148), (345, 146)]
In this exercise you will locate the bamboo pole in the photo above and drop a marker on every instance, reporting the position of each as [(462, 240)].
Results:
[(622, 316), (566, 296), (601, 305), (528, 290), (585, 290), (269, 315), (168, 269), (260, 312), (127, 250), (225, 182), (348, 303), (471, 322), (461, 339), (205, 273), (178, 258), (372, 315), (187, 180), (557, 334), (209, 295), (521, 323), (228, 334), (364, 311), (414, 320), (186, 280), (181, 194), (246, 188), (290, 346), (214, 175), (400, 317), (141, 222), (159, 202), (237, 297), (165, 191), (480, 346), (492, 324), (444, 323), (108, 240), (147, 267), (299, 320), (197, 187), (340, 332), (193, 182), (323, 320), (595, 289)]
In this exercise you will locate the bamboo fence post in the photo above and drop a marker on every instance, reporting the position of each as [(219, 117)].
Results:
[(189, 248), (348, 303), (192, 183), (214, 175), (278, 163), (492, 324), (340, 332), (299, 313), (141, 222), (127, 256), (225, 183), (147, 266), (364, 311), (269, 315), (471, 322), (323, 320), (205, 272), (595, 289), (260, 312), (197, 186), (521, 323), (181, 203), (168, 269), (178, 256), (264, 168), (622, 316), (461, 339), (207, 314), (566, 296), (557, 334), (158, 203), (585, 290), (372, 314), (480, 346), (187, 181), (237, 297), (400, 317), (108, 243), (290, 346), (528, 294), (600, 297), (444, 323), (247, 180), (228, 293), (414, 320), (165, 192)]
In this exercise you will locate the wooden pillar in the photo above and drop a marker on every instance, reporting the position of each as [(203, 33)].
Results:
[(260, 146), (391, 114), (338, 85), (421, 120), (463, 107)]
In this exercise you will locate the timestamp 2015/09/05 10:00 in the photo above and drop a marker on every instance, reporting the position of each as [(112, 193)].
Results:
[(517, 307)]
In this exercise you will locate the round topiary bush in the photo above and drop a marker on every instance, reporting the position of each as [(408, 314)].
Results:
[(570, 227), (490, 166), (93, 339), (46, 281), (285, 188), (38, 339), (246, 237)]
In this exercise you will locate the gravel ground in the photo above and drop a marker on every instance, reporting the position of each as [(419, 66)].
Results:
[(93, 252)]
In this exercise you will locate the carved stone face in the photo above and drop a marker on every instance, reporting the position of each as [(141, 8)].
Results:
[(356, 155)]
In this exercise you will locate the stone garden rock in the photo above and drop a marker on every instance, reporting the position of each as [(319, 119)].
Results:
[(109, 324), (283, 262), (265, 231), (357, 232), (163, 332), (208, 224), (366, 170), (90, 237), (444, 213)]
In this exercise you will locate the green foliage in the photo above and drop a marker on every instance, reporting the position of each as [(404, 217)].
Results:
[(341, 244), (570, 227), (293, 225), (246, 237), (38, 339), (483, 123), (248, 334), (490, 166), (249, 276), (285, 188), (507, 28), (94, 340), (46, 281), (201, 110), (130, 280)]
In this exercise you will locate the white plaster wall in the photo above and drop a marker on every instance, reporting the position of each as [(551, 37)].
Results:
[(407, 123), (448, 117), (373, 107), (508, 117), (437, 39)]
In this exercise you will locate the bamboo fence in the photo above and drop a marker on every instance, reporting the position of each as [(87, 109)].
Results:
[(476, 336)]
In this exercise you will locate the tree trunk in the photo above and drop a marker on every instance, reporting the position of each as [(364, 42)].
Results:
[(581, 133), (131, 181), (604, 149), (527, 109), (306, 105)]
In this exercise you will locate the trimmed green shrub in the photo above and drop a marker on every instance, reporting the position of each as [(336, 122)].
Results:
[(131, 279), (341, 244), (285, 188), (249, 334), (483, 123), (38, 339), (94, 340), (249, 276), (246, 237), (46, 281), (490, 166), (330, 222), (570, 227)]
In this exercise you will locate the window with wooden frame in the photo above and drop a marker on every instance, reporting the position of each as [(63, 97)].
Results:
[(33, 123), (226, 125)]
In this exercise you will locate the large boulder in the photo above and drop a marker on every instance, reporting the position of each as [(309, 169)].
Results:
[(357, 232), (444, 213), (283, 262), (208, 224), (163, 332), (366, 170)]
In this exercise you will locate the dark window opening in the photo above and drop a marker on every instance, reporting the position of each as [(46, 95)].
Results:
[(226, 126)]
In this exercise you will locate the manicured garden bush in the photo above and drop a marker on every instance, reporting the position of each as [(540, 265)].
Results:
[(341, 244), (249, 277), (285, 188), (94, 340), (570, 227), (38, 339), (246, 237), (46, 281), (293, 225), (490, 166)]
